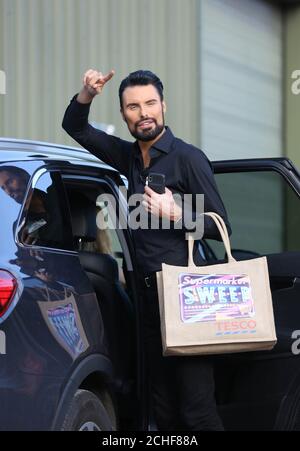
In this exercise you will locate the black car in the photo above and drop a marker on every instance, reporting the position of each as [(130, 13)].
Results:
[(70, 349)]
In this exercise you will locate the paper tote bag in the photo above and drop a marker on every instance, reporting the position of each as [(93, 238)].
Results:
[(216, 309)]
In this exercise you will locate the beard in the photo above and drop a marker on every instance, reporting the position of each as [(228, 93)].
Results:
[(18, 195), (148, 134), (19, 199)]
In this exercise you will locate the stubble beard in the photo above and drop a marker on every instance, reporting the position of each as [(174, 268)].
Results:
[(150, 134)]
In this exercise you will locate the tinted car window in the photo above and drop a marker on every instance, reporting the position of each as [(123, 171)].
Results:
[(94, 213), (46, 222), (263, 211), (105, 216), (13, 184)]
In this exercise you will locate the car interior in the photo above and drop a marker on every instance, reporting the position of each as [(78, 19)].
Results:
[(105, 268)]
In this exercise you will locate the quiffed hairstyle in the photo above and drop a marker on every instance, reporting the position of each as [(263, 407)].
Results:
[(141, 78)]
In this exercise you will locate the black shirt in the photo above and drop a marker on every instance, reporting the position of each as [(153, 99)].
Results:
[(187, 170)]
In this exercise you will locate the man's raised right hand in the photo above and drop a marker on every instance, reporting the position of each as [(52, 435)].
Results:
[(93, 83)]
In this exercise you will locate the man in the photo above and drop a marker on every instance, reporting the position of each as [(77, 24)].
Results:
[(182, 388), (14, 181), (38, 225)]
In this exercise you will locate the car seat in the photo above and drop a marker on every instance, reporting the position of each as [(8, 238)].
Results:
[(102, 271)]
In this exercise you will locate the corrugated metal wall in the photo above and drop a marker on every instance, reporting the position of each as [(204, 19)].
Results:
[(241, 78), (2, 69), (46, 45), (292, 98), (241, 106), (220, 61)]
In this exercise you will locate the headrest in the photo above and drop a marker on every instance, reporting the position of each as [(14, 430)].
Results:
[(83, 212)]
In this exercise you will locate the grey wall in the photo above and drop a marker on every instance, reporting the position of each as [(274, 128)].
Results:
[(46, 45), (220, 61), (241, 78)]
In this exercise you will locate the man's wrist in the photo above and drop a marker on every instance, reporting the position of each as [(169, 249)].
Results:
[(84, 97)]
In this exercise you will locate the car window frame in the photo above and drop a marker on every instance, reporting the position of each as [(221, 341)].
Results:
[(283, 166), (64, 211), (288, 172), (105, 180)]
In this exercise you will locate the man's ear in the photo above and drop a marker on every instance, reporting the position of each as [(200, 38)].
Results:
[(164, 107)]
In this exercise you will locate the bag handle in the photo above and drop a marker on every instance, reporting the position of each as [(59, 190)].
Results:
[(48, 294), (224, 235), (227, 245)]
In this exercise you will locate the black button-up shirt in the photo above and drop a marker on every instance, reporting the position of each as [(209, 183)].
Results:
[(187, 170)]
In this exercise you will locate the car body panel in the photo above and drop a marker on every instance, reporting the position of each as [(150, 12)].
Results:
[(40, 355), (258, 390)]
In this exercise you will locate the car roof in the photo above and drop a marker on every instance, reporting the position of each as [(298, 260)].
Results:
[(19, 149), (13, 149)]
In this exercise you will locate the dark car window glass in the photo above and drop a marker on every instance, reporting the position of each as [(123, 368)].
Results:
[(46, 222), (264, 212), (13, 184), (106, 214), (94, 213)]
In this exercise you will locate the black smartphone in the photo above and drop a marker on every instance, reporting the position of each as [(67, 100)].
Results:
[(156, 182)]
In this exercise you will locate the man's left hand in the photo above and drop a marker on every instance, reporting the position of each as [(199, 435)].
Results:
[(162, 205)]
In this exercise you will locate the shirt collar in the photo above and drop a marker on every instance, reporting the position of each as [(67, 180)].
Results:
[(164, 143)]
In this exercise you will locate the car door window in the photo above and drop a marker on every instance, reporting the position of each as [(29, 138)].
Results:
[(104, 217), (94, 214), (46, 221), (263, 211)]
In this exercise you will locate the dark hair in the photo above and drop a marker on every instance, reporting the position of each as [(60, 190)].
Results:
[(18, 172), (141, 78)]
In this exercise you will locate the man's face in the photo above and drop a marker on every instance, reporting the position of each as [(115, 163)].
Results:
[(143, 111), (13, 185)]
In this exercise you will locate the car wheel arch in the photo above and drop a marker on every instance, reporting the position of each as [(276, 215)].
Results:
[(92, 366)]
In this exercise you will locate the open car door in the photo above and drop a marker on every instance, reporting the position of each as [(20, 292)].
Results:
[(261, 390)]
